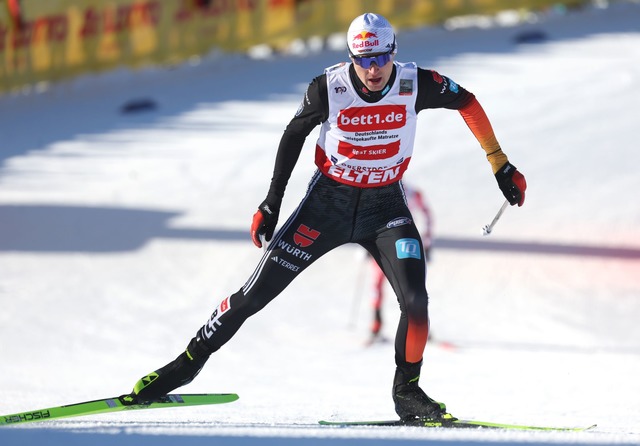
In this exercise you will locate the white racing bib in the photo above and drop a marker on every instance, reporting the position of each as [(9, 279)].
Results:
[(368, 145)]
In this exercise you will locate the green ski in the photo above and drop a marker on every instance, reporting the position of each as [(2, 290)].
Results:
[(116, 404), (452, 424)]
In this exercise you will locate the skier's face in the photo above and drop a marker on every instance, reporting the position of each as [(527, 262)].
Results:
[(374, 77)]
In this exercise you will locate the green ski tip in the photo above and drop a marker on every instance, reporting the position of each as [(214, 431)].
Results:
[(116, 404)]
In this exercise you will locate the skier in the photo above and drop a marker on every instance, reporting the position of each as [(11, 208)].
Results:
[(419, 209), (367, 110)]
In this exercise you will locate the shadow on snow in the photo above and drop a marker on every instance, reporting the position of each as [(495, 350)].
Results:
[(51, 228)]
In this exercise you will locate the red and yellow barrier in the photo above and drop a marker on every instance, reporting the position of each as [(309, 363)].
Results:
[(57, 39)]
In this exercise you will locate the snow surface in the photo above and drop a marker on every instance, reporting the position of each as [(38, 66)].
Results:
[(120, 232)]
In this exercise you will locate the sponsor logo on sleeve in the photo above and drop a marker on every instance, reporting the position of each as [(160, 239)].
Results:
[(453, 87)]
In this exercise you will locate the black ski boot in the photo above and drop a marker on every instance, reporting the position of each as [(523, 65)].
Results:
[(177, 373), (410, 400)]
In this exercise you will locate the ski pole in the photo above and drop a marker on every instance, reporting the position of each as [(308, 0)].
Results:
[(263, 241), (488, 228)]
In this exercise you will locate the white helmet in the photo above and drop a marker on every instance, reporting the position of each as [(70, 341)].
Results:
[(371, 34)]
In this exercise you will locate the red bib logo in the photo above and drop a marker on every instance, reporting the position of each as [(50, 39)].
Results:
[(378, 117), (374, 152)]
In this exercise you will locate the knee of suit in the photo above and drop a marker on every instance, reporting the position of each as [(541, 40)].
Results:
[(416, 306)]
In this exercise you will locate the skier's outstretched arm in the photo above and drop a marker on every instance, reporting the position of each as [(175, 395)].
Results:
[(312, 111)]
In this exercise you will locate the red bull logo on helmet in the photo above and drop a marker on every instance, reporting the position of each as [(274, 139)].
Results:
[(364, 39), (365, 35)]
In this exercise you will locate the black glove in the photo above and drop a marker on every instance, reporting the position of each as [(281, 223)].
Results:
[(264, 222), (511, 183)]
